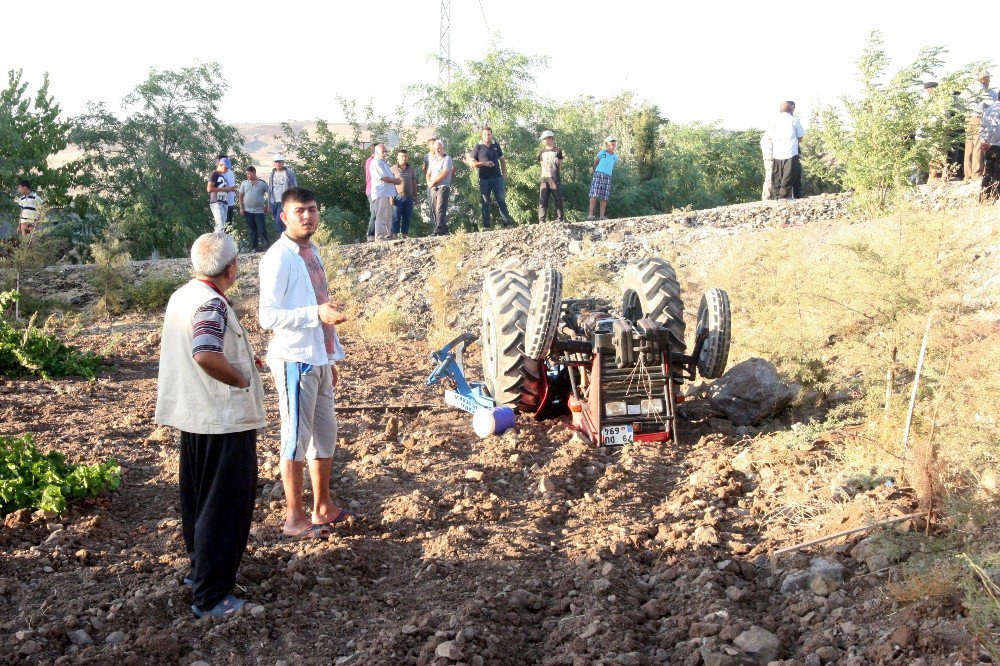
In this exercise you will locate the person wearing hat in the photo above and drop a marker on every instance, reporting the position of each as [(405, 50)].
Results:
[(600, 185), (282, 178), (218, 187), (980, 97), (550, 157)]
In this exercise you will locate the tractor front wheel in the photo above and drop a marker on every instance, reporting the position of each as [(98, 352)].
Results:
[(511, 378)]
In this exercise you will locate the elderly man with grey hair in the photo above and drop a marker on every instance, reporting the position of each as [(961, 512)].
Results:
[(210, 390)]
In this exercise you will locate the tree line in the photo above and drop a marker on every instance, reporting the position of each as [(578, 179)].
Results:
[(138, 179)]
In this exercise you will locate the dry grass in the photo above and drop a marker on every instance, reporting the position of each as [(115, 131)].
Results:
[(588, 277), (389, 323), (343, 290), (443, 285), (844, 306), (931, 579)]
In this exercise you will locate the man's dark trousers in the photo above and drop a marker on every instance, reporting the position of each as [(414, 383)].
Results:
[(498, 188), (439, 204), (258, 230), (783, 177), (218, 483), (550, 188)]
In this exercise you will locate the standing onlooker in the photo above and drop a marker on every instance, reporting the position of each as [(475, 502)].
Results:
[(30, 204), (989, 139), (488, 157), (282, 178), (230, 182), (550, 157), (406, 194), (368, 193), (254, 208), (980, 98), (383, 192), (439, 180), (218, 195), (431, 152), (302, 355), (785, 131), (767, 154), (600, 186), (209, 389)]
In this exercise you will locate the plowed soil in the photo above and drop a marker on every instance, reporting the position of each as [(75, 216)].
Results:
[(532, 547)]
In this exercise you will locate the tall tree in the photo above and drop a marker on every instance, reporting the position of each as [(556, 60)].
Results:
[(883, 138), (31, 133), (146, 171)]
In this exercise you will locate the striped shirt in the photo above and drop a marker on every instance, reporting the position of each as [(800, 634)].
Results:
[(209, 327), (29, 203)]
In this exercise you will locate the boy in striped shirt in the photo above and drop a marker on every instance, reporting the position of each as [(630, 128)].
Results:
[(30, 204)]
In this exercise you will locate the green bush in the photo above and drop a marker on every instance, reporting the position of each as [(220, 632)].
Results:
[(152, 294), (35, 480), (31, 351)]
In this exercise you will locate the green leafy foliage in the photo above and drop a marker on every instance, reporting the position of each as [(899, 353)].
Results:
[(146, 172), (35, 480), (884, 139), (31, 132), (32, 351)]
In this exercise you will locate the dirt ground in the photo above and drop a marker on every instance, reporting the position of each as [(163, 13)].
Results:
[(532, 547)]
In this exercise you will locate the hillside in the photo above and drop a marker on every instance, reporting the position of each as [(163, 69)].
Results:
[(535, 547)]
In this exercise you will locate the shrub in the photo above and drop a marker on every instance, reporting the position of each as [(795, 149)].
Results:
[(31, 351), (35, 480)]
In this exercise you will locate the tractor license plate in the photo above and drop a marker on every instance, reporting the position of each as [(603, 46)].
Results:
[(616, 435)]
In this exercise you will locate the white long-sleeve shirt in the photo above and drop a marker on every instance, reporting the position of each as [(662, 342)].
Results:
[(288, 307), (785, 131)]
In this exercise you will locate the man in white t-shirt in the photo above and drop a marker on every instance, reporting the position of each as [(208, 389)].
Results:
[(282, 178), (785, 132)]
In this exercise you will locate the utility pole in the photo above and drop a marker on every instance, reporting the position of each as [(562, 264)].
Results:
[(444, 45)]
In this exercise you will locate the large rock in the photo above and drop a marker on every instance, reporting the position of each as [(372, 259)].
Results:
[(760, 643), (750, 392)]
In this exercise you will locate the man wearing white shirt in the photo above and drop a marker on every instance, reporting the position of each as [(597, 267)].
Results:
[(989, 138), (302, 355), (383, 192), (785, 131)]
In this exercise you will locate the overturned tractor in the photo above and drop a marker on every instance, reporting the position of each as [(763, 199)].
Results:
[(618, 373)]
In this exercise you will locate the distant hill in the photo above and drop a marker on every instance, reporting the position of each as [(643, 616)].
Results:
[(263, 140)]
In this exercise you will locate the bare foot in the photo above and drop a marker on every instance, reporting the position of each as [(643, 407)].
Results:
[(329, 514)]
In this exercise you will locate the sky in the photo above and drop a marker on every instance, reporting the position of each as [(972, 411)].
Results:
[(289, 60)]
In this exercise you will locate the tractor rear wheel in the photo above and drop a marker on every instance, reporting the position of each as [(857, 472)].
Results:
[(650, 289), (511, 378), (715, 326), (543, 314)]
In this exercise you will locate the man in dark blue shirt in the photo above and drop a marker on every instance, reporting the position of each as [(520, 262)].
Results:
[(488, 158)]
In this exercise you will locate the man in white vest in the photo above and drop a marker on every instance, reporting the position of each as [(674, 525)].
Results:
[(302, 356), (210, 390)]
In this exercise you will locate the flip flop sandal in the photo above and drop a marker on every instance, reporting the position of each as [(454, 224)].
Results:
[(229, 604), (188, 580), (311, 532), (342, 516)]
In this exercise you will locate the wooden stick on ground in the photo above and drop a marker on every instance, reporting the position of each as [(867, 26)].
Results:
[(385, 408), (913, 397), (853, 530)]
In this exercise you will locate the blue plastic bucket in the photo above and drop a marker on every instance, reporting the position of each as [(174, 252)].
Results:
[(495, 421)]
